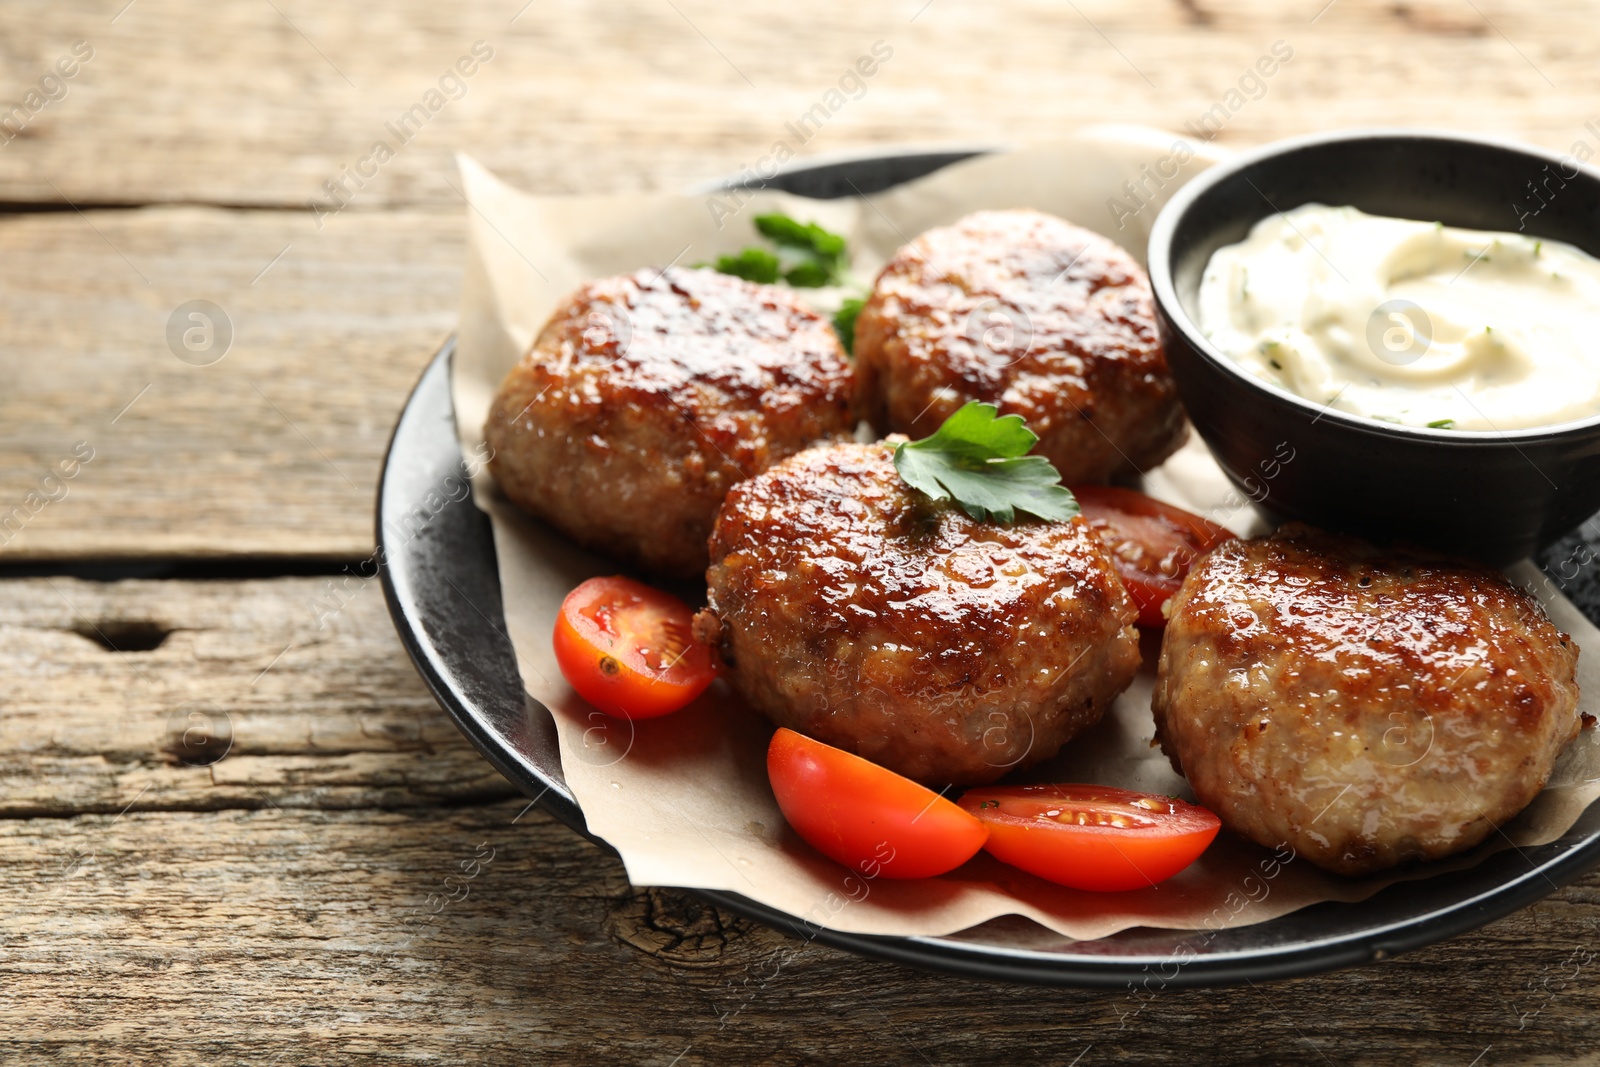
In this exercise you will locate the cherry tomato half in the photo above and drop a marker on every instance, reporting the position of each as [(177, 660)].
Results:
[(1092, 836), (865, 816), (1151, 543), (629, 649)]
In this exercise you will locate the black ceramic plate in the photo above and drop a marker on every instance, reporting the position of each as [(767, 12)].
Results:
[(443, 590)]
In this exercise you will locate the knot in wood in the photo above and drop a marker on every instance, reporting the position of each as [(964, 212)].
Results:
[(675, 927)]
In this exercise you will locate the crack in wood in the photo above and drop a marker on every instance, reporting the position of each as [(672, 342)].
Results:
[(124, 635), (163, 568), (486, 797)]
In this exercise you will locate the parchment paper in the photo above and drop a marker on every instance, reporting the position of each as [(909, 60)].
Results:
[(684, 799)]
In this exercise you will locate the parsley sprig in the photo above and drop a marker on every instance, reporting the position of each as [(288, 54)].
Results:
[(818, 256), (805, 256), (980, 460)]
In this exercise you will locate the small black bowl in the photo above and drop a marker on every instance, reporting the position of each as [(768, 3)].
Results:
[(1496, 496)]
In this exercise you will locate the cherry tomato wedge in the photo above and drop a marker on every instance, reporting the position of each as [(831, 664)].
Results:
[(1151, 543), (629, 649), (865, 816), (1092, 836)]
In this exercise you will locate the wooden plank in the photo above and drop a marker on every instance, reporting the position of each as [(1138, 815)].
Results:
[(256, 104), (288, 693), (272, 450), (291, 936), (263, 906)]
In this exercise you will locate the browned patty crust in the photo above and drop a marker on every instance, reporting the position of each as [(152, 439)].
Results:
[(852, 608), (1024, 310), (1366, 707), (647, 395)]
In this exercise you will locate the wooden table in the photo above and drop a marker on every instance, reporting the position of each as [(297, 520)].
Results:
[(166, 604)]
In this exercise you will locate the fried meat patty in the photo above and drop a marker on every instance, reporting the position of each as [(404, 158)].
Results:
[(856, 610), (647, 395), (1044, 319), (1366, 707)]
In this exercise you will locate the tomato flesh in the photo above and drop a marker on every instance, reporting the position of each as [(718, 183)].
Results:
[(1092, 836), (1152, 544), (867, 817), (629, 649)]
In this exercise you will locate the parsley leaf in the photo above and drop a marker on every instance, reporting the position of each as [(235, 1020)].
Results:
[(1442, 424), (753, 265), (782, 230), (980, 460), (808, 256), (809, 274), (844, 321)]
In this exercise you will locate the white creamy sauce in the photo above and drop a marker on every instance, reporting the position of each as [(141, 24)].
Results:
[(1410, 322)]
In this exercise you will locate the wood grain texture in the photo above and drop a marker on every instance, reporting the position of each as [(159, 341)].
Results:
[(259, 104), (306, 937), (272, 450), (300, 685)]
